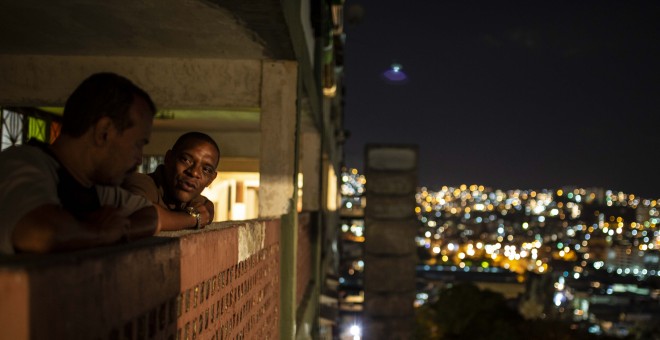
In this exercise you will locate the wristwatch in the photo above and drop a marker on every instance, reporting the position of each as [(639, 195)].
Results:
[(194, 213)]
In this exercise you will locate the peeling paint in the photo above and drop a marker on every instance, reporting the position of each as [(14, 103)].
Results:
[(251, 238)]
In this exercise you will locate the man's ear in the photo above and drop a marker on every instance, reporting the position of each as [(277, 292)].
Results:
[(101, 131)]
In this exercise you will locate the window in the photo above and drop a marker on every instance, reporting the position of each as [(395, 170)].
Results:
[(19, 125), (149, 163)]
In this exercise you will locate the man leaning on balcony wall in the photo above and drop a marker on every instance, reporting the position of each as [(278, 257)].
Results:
[(66, 195), (176, 186)]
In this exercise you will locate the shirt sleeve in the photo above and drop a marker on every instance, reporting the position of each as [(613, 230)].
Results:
[(121, 198), (28, 180), (143, 185)]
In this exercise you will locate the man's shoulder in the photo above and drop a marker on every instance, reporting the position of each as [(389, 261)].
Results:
[(26, 155), (142, 184), (17, 151), (119, 197), (138, 180)]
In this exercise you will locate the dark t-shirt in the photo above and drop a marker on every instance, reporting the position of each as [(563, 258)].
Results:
[(74, 197)]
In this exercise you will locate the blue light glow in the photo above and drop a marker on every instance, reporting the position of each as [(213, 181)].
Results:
[(395, 75)]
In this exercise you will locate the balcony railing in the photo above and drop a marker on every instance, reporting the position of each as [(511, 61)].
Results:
[(222, 282)]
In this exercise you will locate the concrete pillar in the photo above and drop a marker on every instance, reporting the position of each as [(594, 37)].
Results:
[(278, 137), (311, 154), (389, 249), (311, 168), (278, 169)]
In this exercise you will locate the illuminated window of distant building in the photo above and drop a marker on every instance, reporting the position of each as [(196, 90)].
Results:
[(12, 129)]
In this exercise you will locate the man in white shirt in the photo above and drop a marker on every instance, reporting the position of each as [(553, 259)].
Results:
[(65, 196)]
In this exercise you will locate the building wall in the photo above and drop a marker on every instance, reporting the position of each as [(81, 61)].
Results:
[(222, 282)]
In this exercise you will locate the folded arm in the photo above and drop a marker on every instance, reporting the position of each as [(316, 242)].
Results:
[(50, 228), (143, 223), (169, 220)]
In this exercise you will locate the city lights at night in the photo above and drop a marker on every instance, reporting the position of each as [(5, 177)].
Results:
[(524, 230), (597, 248), (330, 169)]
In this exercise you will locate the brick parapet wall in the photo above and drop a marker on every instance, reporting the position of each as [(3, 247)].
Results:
[(218, 283)]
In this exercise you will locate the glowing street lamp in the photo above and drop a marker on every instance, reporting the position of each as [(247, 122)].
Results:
[(356, 332)]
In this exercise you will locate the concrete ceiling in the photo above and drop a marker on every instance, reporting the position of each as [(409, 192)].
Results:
[(227, 29), (216, 120), (168, 28), (243, 120)]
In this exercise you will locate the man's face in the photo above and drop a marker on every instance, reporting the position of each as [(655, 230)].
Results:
[(124, 151), (191, 169)]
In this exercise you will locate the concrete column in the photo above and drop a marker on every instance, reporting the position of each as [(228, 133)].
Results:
[(311, 168), (389, 249), (278, 137), (278, 169), (311, 154)]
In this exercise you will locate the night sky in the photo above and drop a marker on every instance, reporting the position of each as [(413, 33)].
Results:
[(510, 94)]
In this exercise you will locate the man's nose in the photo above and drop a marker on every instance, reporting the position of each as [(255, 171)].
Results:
[(195, 170)]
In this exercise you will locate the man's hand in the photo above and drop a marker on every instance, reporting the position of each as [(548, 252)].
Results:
[(206, 211)]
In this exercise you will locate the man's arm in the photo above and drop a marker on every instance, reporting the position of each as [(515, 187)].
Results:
[(168, 220), (143, 223), (143, 185), (50, 228), (174, 220)]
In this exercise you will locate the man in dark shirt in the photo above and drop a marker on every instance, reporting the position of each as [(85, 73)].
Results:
[(176, 186)]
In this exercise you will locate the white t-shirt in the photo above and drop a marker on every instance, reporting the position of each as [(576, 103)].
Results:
[(28, 180)]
